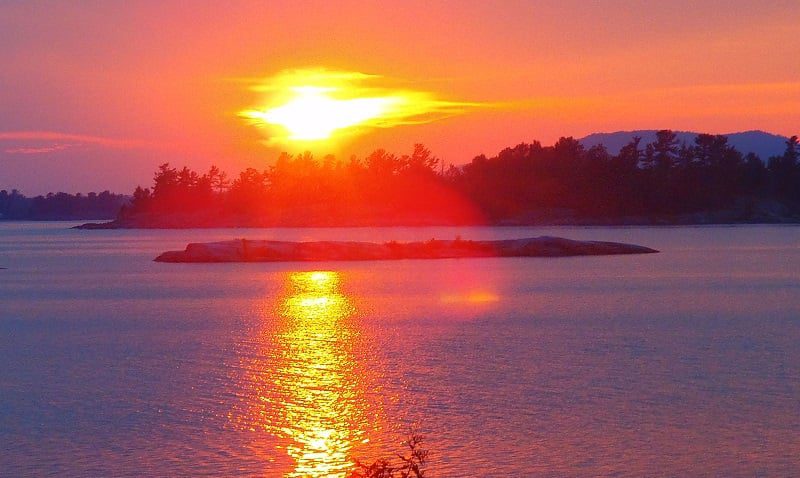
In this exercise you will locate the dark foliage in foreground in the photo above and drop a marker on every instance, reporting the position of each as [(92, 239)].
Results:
[(61, 206), (406, 466), (525, 183)]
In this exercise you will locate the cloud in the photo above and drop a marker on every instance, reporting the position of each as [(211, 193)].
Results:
[(43, 136), (39, 150), (43, 142), (319, 104)]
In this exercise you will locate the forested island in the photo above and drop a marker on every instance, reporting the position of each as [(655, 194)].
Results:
[(662, 182), (60, 206)]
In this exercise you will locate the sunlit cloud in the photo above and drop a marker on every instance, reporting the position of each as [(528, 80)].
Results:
[(318, 105), (47, 142), (39, 150), (75, 138)]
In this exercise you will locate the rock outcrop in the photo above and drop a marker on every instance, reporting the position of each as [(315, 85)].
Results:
[(243, 250)]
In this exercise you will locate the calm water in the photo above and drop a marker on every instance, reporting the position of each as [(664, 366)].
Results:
[(680, 363)]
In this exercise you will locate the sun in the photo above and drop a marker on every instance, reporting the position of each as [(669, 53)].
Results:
[(315, 114), (315, 105)]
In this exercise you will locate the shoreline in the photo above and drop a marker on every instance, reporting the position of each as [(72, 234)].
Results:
[(632, 222)]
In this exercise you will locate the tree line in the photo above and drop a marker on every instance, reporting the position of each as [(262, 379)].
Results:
[(525, 183), (661, 178), (61, 206), (302, 190)]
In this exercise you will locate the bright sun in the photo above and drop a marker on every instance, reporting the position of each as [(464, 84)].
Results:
[(313, 114), (317, 105)]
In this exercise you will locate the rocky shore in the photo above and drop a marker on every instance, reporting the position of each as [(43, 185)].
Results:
[(243, 250), (744, 212)]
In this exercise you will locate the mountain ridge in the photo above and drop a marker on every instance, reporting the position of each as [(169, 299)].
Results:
[(762, 143)]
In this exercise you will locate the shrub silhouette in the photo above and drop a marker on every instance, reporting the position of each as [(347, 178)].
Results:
[(411, 465)]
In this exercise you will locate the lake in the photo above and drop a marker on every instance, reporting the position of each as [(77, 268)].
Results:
[(681, 363)]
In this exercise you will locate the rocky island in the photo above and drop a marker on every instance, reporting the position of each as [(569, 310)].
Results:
[(243, 250)]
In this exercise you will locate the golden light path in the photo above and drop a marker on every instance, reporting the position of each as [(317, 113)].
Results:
[(320, 385), (310, 380), (317, 105), (302, 384)]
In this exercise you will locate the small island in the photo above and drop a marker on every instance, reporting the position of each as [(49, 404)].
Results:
[(243, 250)]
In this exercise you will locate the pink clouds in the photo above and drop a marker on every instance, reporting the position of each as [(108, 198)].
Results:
[(44, 136), (48, 142), (40, 150)]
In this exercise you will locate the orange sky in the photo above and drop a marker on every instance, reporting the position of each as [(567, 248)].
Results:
[(93, 95)]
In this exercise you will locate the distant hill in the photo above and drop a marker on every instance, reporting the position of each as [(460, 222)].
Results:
[(762, 143)]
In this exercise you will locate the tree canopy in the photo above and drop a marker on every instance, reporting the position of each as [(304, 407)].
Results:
[(521, 184)]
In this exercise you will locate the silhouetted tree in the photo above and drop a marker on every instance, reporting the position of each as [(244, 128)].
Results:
[(527, 182), (60, 206)]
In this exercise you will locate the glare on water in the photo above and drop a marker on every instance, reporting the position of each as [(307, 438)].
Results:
[(304, 388)]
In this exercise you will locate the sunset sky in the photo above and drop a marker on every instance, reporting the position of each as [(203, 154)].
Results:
[(94, 95)]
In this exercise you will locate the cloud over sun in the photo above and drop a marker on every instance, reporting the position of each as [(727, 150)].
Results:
[(321, 105)]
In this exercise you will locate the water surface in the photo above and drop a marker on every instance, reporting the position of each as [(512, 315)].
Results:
[(685, 362)]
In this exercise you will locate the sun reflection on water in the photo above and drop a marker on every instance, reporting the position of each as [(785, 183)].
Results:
[(317, 366), (306, 390)]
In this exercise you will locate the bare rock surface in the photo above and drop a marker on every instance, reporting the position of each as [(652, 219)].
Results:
[(243, 250)]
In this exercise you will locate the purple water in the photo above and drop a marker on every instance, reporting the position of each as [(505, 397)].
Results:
[(685, 362)]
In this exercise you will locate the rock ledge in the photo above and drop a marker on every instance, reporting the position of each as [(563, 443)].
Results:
[(243, 250)]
